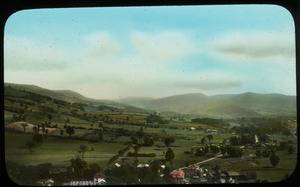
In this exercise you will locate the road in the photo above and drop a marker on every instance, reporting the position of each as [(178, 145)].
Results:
[(204, 161)]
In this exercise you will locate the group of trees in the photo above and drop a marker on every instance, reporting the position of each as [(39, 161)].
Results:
[(153, 118), (262, 126), (211, 122), (80, 168), (232, 151), (242, 140), (20, 117)]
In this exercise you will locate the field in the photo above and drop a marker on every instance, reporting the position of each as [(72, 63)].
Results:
[(40, 129), (59, 150)]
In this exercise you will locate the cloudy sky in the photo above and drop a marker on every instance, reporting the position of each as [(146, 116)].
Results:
[(119, 52)]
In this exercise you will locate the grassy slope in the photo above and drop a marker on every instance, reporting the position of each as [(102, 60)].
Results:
[(239, 105), (59, 151)]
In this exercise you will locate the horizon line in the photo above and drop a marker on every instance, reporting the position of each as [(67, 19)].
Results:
[(133, 97)]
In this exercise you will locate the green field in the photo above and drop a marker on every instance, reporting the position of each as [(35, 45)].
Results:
[(106, 129)]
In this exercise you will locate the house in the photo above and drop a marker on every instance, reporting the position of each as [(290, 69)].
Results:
[(79, 182), (256, 139), (143, 165), (192, 129), (99, 178), (46, 182), (178, 176)]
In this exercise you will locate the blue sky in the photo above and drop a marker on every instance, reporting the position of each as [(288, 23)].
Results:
[(117, 52)]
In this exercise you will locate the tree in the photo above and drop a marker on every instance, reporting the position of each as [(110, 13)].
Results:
[(200, 152), (203, 140), (83, 149), (133, 140), (168, 141), (234, 140), (209, 137), (148, 141), (79, 166), (170, 155), (265, 153), (141, 133), (46, 132), (274, 159), (136, 149), (49, 117), (223, 149), (34, 129), (92, 169), (43, 128), (234, 151), (61, 132), (24, 125), (166, 173), (263, 138), (70, 130), (214, 149), (155, 166)]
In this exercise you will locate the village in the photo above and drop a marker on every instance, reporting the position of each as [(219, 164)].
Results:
[(194, 174)]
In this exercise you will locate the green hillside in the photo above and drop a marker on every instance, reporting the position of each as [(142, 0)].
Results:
[(229, 106)]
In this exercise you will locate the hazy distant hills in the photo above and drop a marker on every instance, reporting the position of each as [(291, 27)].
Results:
[(235, 105), (225, 106)]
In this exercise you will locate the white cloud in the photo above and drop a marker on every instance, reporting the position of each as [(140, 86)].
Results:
[(102, 45), (269, 46), (163, 46), (24, 54)]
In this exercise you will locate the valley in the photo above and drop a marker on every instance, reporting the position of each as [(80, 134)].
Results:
[(65, 136)]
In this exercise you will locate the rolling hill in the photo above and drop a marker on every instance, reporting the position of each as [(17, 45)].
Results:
[(224, 106), (227, 106)]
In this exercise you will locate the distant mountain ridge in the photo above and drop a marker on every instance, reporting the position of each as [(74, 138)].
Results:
[(233, 105), (221, 106)]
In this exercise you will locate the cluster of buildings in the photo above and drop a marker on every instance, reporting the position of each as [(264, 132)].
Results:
[(97, 179), (197, 175), (189, 175)]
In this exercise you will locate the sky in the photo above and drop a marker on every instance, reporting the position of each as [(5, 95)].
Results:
[(121, 52)]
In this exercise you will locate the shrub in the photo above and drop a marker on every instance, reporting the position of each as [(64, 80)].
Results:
[(266, 153), (274, 159)]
